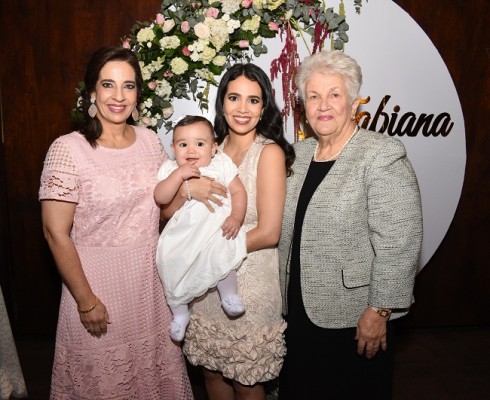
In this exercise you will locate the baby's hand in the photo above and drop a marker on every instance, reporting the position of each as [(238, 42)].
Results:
[(230, 227), (188, 171)]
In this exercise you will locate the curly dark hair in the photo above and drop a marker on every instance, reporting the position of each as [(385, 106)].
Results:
[(270, 125), (91, 128)]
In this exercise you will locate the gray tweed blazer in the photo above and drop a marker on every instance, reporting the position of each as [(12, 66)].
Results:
[(362, 231)]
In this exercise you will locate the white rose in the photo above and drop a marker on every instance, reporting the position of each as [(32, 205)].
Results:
[(200, 45), (252, 24), (232, 25), (163, 89), (145, 72), (207, 55), (178, 66), (195, 56), (219, 34), (169, 42), (230, 6), (202, 30), (168, 25), (219, 61), (145, 35)]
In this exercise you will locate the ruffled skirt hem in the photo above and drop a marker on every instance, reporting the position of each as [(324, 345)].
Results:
[(248, 355)]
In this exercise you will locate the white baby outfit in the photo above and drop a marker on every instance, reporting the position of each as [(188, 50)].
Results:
[(192, 254)]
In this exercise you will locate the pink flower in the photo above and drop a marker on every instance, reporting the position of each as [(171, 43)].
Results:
[(247, 3), (160, 19), (243, 44), (212, 12), (185, 27), (152, 85), (168, 74), (126, 43), (273, 26), (186, 52)]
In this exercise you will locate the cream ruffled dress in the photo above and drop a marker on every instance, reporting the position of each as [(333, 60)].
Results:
[(250, 348)]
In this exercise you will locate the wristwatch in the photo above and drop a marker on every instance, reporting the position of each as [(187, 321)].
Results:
[(384, 312)]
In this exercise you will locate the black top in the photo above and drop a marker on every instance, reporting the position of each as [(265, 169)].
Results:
[(315, 175)]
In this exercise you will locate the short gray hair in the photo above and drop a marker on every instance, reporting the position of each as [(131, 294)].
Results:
[(330, 62)]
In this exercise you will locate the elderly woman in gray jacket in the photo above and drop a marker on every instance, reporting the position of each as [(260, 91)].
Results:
[(350, 243)]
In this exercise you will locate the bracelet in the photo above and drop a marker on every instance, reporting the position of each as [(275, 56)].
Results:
[(189, 197), (89, 309)]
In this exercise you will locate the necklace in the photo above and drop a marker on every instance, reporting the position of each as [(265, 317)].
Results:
[(356, 129)]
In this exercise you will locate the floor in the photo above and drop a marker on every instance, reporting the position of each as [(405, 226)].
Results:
[(435, 364)]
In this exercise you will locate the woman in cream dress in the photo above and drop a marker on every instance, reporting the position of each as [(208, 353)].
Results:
[(239, 354)]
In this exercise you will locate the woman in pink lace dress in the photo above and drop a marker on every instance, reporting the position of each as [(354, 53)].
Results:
[(101, 224)]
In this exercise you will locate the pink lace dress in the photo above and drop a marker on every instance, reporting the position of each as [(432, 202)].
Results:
[(248, 349), (115, 231)]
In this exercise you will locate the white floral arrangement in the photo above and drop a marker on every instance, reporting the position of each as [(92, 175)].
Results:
[(190, 43)]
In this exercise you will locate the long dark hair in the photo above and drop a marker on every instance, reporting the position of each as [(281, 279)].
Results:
[(91, 128), (270, 125)]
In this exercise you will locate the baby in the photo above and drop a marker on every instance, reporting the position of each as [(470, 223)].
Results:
[(199, 249)]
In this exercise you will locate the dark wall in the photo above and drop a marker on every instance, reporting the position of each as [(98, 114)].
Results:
[(454, 287), (44, 49)]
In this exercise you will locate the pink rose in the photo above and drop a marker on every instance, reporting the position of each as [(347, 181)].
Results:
[(273, 26), (247, 3), (185, 27), (186, 52), (212, 12), (152, 85), (243, 44), (160, 19), (168, 74), (126, 43)]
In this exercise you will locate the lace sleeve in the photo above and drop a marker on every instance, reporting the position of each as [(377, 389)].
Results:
[(59, 180)]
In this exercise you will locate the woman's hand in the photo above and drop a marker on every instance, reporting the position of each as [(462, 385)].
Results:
[(370, 333), (202, 189), (95, 321), (205, 190)]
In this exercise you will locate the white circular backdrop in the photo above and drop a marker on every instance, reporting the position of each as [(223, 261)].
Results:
[(397, 60)]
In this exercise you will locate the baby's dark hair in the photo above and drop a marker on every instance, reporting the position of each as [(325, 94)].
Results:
[(194, 119)]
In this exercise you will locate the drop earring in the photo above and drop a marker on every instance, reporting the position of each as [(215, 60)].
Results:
[(92, 110), (135, 114)]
